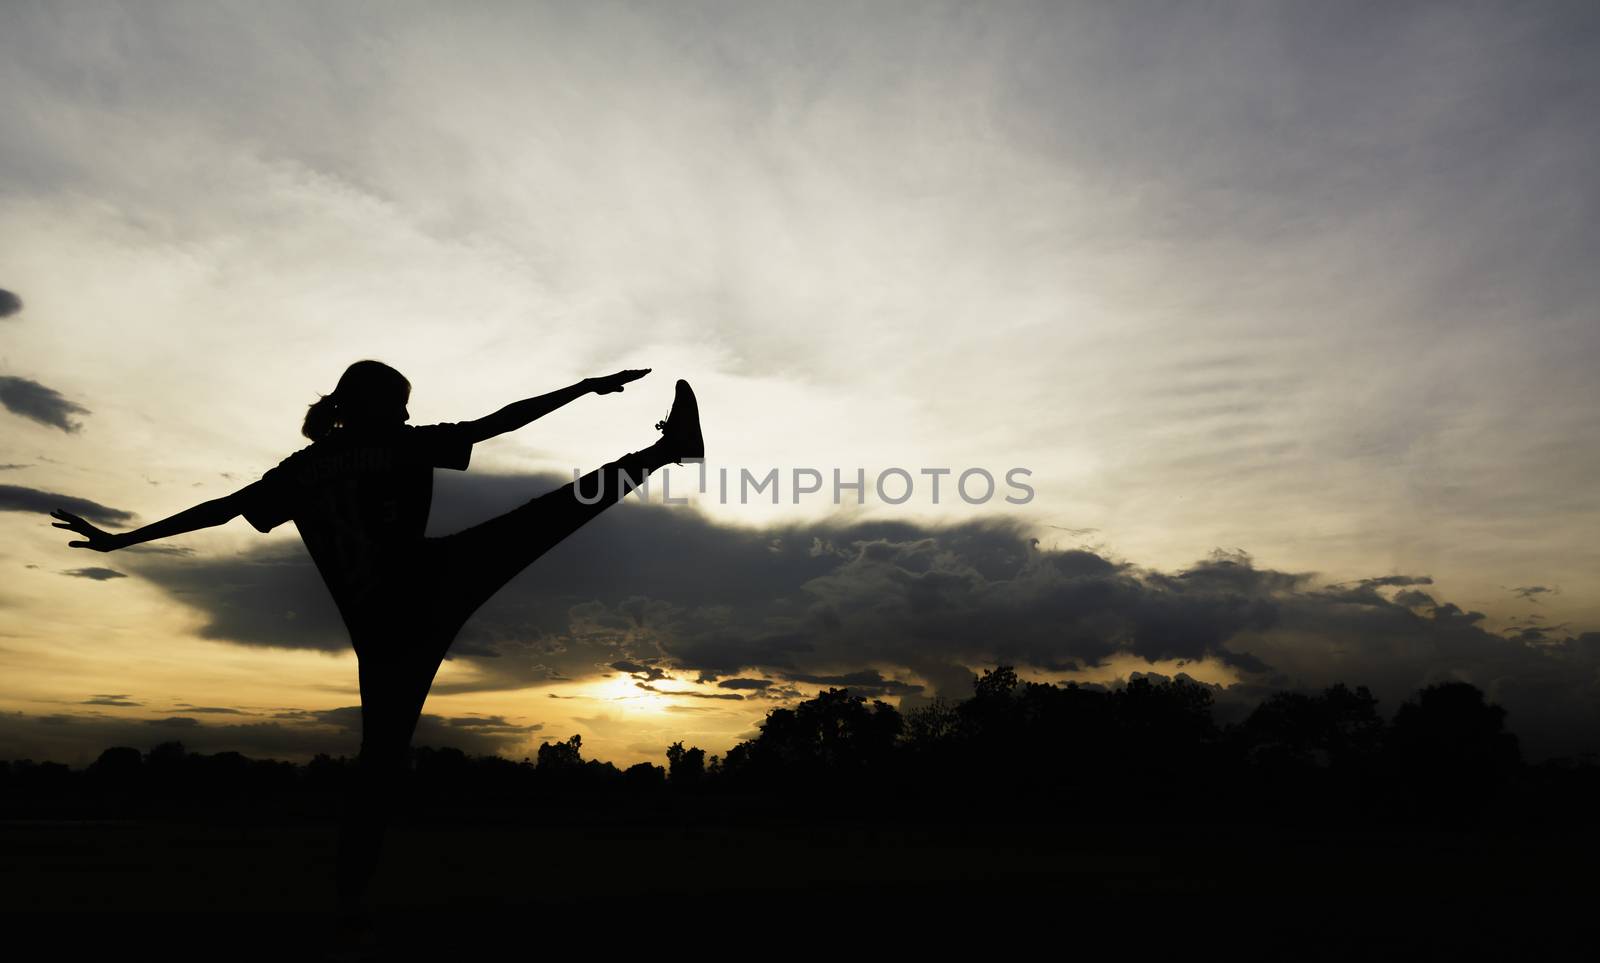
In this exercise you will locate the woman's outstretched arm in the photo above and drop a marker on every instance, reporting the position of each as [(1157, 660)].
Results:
[(204, 515), (519, 413)]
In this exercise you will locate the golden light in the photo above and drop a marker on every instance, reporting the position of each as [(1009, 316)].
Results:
[(622, 692)]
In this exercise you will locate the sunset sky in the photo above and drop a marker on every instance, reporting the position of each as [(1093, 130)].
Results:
[(1288, 309)]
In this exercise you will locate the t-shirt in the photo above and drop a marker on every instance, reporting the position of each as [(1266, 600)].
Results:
[(360, 501)]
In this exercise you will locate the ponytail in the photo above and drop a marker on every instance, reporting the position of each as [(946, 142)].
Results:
[(368, 392), (320, 418)]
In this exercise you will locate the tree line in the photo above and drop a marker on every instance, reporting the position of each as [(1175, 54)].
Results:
[(1147, 750)]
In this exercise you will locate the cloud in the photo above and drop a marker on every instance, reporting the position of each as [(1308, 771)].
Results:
[(1043, 127), (1366, 589), (97, 574), (271, 596), (147, 549), (867, 682), (1450, 612), (9, 303), (1393, 580), (110, 700), (16, 498), (1414, 599), (745, 683), (1531, 592), (900, 609), (490, 724), (34, 401), (690, 693), (484, 735), (638, 670)]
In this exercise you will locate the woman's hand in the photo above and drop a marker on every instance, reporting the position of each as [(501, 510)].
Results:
[(96, 539), (613, 383)]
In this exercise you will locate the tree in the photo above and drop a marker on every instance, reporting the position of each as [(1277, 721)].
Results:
[(990, 719), (930, 727), (644, 776), (1166, 715), (119, 764), (685, 767), (1451, 726), (561, 756), (1338, 727), (1449, 748), (832, 734), (995, 683)]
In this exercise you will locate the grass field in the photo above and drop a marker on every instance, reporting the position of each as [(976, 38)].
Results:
[(190, 890)]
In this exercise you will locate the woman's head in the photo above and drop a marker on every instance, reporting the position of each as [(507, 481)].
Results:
[(369, 394)]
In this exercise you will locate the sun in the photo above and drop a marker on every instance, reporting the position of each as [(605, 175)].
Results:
[(622, 693)]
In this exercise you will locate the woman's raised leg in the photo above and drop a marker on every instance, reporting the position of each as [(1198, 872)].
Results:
[(478, 562)]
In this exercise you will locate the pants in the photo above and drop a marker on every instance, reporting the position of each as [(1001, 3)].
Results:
[(402, 639)]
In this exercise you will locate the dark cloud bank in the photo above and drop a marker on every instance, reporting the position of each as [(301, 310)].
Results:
[(34, 401), (9, 303), (897, 609)]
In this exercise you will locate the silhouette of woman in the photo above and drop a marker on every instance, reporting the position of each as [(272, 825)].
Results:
[(359, 495)]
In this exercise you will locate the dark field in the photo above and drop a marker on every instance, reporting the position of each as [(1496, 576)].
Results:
[(1121, 824), (191, 890)]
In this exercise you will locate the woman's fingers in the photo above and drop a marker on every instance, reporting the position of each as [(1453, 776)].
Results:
[(616, 381), (72, 523)]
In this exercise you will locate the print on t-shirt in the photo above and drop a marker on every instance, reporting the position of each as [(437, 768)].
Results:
[(360, 502)]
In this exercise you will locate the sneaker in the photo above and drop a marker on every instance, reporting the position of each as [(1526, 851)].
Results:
[(680, 430)]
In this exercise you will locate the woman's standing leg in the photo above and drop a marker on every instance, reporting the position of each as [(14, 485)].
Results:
[(396, 672), (397, 666)]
